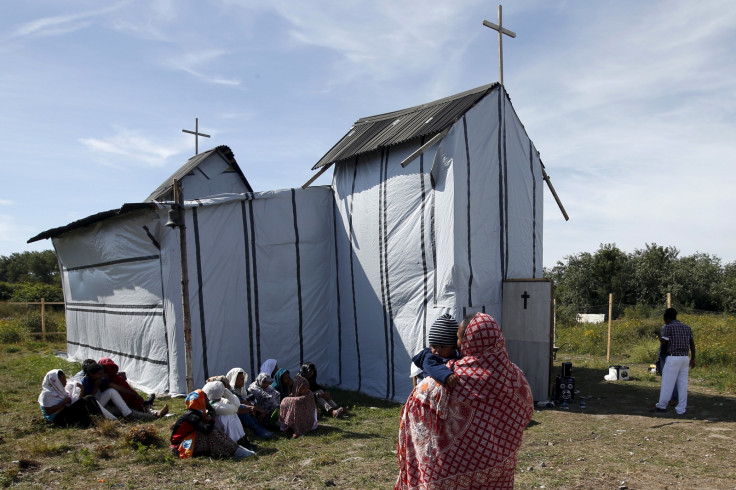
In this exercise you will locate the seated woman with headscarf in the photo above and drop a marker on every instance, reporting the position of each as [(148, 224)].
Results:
[(266, 397), (322, 397), (282, 382), (298, 412), (467, 436), (96, 384), (226, 406), (195, 434), (237, 379), (119, 382), (59, 407)]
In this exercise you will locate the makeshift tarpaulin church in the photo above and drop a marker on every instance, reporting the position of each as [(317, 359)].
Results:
[(430, 210)]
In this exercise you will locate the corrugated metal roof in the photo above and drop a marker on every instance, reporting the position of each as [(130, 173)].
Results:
[(370, 133), (224, 151), (127, 208)]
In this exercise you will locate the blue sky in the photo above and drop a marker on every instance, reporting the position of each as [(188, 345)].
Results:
[(632, 104)]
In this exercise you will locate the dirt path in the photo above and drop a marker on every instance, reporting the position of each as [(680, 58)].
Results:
[(615, 442)]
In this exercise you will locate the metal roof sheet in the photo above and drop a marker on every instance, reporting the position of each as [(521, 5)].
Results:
[(126, 208), (225, 152), (374, 132)]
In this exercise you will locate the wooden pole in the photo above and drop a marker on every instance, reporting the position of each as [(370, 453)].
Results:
[(186, 316), (610, 311), (43, 320), (669, 300)]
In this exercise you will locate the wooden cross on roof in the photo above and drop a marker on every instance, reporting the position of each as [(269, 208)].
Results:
[(501, 32), (196, 134)]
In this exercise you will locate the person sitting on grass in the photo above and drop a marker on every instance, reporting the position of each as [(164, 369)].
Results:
[(119, 381), (322, 397), (298, 412), (195, 434), (282, 382), (94, 383), (58, 406), (269, 366), (248, 411), (226, 406), (443, 341), (266, 397)]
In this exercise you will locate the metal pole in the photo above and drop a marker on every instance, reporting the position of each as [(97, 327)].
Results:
[(186, 317), (500, 47)]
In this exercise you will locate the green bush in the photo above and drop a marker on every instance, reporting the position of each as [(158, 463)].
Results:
[(644, 351), (12, 332), (34, 291), (31, 322)]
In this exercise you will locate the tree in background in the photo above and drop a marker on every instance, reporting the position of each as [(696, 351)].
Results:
[(30, 267), (643, 278), (30, 276)]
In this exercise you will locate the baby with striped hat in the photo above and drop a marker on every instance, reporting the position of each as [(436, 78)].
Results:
[(443, 340)]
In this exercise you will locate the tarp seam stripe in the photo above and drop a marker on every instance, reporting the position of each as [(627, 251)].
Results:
[(534, 210), (202, 172), (388, 282), (249, 299), (200, 293), (108, 305), (505, 191), (119, 313), (298, 277), (425, 286), (352, 274), (117, 353), (433, 243), (337, 288), (256, 308), (381, 269), (470, 254), (500, 188), (142, 258), (151, 237)]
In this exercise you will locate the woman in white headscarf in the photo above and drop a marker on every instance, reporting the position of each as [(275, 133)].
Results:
[(60, 407), (269, 367), (266, 397), (248, 412), (226, 406)]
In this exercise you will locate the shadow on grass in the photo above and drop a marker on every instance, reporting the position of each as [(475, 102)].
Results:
[(637, 395)]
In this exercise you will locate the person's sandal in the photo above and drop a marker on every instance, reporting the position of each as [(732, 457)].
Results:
[(337, 413)]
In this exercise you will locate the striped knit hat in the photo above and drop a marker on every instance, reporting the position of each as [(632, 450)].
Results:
[(443, 331)]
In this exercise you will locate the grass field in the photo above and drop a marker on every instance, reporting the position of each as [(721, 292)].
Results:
[(613, 442)]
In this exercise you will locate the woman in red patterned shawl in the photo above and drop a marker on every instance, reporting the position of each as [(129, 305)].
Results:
[(467, 436)]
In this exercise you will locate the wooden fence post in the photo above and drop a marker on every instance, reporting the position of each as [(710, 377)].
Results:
[(669, 300), (43, 320), (610, 310)]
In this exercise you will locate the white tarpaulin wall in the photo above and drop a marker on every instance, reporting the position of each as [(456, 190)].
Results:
[(111, 275), (261, 281), (261, 284), (349, 277), (438, 236)]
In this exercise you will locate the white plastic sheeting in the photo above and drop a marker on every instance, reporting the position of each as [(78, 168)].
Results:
[(438, 236), (348, 276)]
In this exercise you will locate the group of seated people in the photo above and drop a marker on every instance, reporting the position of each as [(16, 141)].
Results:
[(100, 388), (216, 415)]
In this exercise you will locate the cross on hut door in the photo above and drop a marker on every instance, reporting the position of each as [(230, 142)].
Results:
[(501, 32), (196, 134), (525, 297)]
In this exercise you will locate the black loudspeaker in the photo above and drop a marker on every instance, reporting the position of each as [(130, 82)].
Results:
[(565, 388), (567, 369)]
